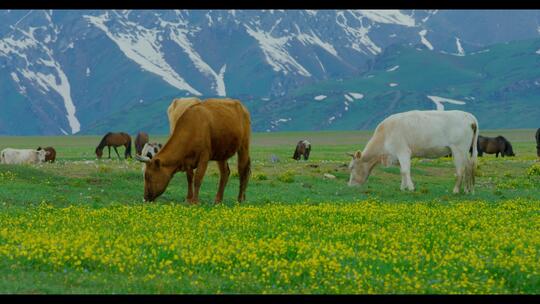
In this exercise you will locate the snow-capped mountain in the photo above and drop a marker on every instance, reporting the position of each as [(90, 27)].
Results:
[(65, 71)]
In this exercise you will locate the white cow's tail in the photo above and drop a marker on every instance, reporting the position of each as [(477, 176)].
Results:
[(472, 164)]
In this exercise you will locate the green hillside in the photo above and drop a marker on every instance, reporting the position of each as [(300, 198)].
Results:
[(500, 85)]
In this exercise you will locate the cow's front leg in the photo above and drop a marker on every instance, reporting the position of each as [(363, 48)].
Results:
[(405, 166), (189, 175), (199, 174)]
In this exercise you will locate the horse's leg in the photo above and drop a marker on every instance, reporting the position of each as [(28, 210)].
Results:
[(244, 170), (189, 175), (199, 174), (115, 150), (224, 173), (405, 168), (460, 163)]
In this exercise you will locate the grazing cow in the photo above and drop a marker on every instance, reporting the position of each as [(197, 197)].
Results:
[(494, 145), (420, 134), (51, 156), (215, 129), (22, 156), (303, 148), (177, 107), (537, 136), (140, 141), (151, 149)]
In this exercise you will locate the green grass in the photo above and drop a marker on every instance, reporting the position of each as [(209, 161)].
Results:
[(57, 211)]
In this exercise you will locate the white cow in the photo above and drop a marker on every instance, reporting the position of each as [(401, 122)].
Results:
[(427, 134), (22, 156)]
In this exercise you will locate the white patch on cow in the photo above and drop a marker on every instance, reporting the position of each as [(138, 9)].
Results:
[(424, 40), (439, 101), (320, 97), (393, 68)]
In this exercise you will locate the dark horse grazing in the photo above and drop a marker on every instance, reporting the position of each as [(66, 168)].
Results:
[(215, 129), (495, 145), (114, 140), (302, 149), (142, 138)]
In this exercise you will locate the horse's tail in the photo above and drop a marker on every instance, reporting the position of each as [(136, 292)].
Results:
[(128, 147), (472, 164)]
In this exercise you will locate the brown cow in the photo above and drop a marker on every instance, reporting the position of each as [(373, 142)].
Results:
[(51, 155), (140, 141), (215, 129)]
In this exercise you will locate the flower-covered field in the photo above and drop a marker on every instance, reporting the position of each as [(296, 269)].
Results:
[(360, 247), (80, 226)]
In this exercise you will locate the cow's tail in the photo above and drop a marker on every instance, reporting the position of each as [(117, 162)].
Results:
[(472, 164)]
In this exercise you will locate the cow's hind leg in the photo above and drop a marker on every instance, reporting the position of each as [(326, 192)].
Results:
[(224, 173), (405, 166), (244, 170), (460, 163)]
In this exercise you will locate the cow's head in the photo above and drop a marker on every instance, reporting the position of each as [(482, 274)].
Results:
[(41, 154), (156, 178), (360, 169)]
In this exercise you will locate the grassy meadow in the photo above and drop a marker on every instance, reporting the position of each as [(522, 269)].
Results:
[(80, 226)]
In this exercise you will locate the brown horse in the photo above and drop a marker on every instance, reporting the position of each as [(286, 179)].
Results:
[(302, 149), (494, 145), (114, 140), (51, 156), (140, 140)]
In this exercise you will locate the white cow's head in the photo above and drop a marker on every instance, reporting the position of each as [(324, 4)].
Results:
[(360, 169), (41, 154)]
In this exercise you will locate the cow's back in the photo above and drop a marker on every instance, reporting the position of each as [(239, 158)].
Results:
[(427, 128), (226, 123)]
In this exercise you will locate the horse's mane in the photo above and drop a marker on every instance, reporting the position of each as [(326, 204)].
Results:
[(102, 142)]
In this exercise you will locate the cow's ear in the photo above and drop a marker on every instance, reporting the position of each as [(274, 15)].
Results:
[(357, 154)]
